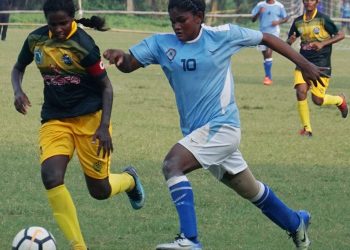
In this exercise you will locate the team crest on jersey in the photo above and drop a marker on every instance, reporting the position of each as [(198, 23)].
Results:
[(38, 56), (67, 60), (317, 30), (97, 166), (171, 53)]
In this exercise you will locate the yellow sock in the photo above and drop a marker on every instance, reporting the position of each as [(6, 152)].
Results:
[(66, 216), (121, 183), (332, 100), (304, 114)]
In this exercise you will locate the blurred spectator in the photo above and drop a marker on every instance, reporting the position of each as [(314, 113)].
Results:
[(4, 18), (345, 13), (320, 6)]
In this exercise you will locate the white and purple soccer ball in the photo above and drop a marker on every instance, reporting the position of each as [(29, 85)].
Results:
[(34, 238)]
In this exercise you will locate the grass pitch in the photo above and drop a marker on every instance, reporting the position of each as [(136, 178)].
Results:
[(312, 174)]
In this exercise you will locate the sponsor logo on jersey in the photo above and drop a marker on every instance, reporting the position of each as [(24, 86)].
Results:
[(38, 56), (67, 60), (171, 53), (60, 80)]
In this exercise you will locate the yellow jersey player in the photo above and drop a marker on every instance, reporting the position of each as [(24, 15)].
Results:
[(317, 33), (75, 115)]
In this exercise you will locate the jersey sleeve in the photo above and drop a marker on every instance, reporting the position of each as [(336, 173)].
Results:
[(330, 26), (256, 9), (293, 29), (93, 63), (245, 37), (283, 13), (26, 56), (146, 51)]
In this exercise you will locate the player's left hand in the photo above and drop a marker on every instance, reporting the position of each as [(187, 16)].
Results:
[(104, 139), (316, 45)]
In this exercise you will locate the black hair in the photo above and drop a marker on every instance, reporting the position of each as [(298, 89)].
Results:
[(67, 6), (194, 6)]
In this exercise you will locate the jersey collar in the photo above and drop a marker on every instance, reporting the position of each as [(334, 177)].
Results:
[(313, 16), (197, 38), (72, 31)]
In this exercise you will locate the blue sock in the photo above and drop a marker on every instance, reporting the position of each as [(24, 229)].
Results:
[(276, 210), (182, 195), (267, 67)]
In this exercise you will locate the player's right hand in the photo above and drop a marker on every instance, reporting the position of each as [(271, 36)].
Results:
[(22, 103), (292, 38), (114, 56)]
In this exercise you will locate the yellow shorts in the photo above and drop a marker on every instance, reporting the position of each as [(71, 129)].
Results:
[(62, 137), (319, 91)]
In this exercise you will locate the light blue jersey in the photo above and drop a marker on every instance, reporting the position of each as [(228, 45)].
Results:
[(199, 72), (273, 12)]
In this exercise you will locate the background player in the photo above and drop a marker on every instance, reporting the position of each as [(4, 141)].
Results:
[(271, 14), (317, 32)]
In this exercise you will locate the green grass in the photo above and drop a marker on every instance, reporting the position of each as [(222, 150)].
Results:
[(312, 174)]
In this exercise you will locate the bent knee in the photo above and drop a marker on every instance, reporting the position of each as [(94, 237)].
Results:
[(166, 168), (170, 169), (100, 191), (99, 195), (317, 101)]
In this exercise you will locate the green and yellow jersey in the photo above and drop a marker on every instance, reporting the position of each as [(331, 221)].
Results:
[(319, 28), (70, 69)]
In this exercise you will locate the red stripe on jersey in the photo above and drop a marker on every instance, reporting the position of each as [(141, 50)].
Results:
[(96, 69)]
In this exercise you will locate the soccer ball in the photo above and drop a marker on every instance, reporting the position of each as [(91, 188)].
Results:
[(34, 238)]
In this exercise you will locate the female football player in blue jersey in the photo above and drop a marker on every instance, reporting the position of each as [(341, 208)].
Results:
[(197, 63), (317, 33), (271, 15), (75, 114)]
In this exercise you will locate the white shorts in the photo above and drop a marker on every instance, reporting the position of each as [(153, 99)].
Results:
[(216, 149), (261, 47)]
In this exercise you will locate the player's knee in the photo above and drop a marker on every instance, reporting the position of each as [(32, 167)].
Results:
[(100, 191), (301, 95), (170, 169), (317, 101), (99, 196), (51, 179)]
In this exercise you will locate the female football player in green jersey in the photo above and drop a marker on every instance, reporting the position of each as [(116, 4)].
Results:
[(75, 114), (196, 60), (317, 32)]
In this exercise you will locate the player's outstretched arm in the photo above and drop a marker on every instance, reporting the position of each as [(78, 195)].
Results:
[(311, 73), (21, 102), (125, 62)]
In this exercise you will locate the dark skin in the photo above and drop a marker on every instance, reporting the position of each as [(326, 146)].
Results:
[(54, 168), (179, 160), (310, 7)]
